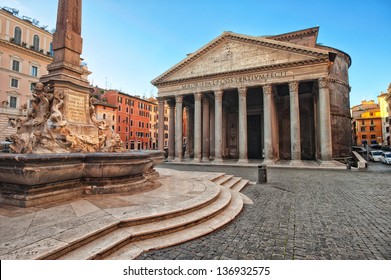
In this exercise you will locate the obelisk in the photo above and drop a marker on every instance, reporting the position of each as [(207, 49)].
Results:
[(66, 73)]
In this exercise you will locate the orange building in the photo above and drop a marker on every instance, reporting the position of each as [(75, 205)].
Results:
[(369, 127)]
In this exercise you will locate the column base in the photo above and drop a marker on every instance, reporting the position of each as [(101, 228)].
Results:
[(197, 160), (170, 158), (242, 160), (218, 160), (296, 162), (177, 159), (205, 159)]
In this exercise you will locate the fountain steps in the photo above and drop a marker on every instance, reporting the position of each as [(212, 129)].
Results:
[(129, 236)]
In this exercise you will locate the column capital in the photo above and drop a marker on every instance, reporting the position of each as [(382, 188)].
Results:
[(170, 102), (294, 86), (197, 96), (205, 99), (267, 89), (160, 100), (323, 82), (179, 98), (218, 94), (242, 92)]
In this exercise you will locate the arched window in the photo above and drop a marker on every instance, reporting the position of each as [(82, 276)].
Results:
[(104, 116), (36, 43), (51, 49), (18, 35)]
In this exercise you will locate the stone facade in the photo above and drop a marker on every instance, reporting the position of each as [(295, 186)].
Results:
[(274, 98)]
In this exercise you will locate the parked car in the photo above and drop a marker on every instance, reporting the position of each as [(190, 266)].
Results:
[(375, 147), (375, 155), (386, 157)]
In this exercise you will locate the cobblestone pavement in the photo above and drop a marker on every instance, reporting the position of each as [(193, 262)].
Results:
[(300, 214)]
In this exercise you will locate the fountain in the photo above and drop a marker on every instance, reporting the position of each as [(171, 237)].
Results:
[(61, 150)]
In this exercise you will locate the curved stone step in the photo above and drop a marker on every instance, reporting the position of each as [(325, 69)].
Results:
[(134, 249), (231, 182), (240, 185), (223, 179), (126, 233)]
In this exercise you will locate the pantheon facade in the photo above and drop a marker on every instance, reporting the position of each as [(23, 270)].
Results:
[(267, 98)]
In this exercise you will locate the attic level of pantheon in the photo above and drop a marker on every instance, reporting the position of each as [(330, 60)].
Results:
[(271, 98)]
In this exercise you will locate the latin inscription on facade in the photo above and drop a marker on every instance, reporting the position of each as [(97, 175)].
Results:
[(76, 109), (235, 80)]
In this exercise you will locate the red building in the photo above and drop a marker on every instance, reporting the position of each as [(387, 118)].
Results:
[(133, 119)]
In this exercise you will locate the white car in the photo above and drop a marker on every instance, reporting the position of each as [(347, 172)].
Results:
[(375, 155), (386, 157)]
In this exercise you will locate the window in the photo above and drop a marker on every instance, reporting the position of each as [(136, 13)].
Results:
[(113, 118), (363, 122), (372, 122), (364, 136), (34, 71), (387, 129), (15, 65), (372, 128), (36, 42), (14, 83), (362, 128), (119, 108), (104, 116), (32, 87), (119, 128), (131, 133), (373, 136), (13, 101), (51, 49), (18, 35)]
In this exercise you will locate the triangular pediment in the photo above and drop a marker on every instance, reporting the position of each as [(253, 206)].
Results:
[(232, 52)]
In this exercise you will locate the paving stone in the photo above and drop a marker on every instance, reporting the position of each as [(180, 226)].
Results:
[(300, 214)]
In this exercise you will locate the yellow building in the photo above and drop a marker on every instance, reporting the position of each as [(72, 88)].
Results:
[(385, 116), (25, 52)]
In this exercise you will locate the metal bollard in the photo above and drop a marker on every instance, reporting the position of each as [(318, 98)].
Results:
[(262, 174)]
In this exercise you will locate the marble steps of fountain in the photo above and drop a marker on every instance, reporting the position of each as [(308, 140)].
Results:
[(196, 217), (229, 181), (134, 249)]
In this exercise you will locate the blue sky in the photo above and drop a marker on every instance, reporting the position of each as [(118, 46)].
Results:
[(127, 43)]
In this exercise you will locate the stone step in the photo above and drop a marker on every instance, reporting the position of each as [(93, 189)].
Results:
[(124, 234), (134, 249), (80, 235), (223, 179), (240, 185), (231, 182)]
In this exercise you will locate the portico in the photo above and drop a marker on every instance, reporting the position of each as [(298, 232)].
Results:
[(259, 98)]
